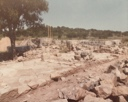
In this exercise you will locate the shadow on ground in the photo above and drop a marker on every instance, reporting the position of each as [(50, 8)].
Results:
[(4, 56)]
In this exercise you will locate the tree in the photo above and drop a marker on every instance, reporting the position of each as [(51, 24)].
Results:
[(18, 14)]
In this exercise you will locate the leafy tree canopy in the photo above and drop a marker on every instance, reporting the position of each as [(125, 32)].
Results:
[(16, 14)]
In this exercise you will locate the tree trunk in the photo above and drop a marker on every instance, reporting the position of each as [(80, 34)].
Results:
[(12, 38)]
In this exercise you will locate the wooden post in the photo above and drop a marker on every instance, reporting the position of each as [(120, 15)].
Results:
[(48, 31)]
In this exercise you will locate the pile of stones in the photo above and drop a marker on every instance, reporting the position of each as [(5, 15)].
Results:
[(111, 49), (83, 55), (111, 86)]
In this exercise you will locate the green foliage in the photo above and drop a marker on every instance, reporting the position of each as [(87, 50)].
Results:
[(125, 33), (70, 33), (17, 14), (125, 40)]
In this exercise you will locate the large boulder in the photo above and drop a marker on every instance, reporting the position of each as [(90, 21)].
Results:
[(107, 82)]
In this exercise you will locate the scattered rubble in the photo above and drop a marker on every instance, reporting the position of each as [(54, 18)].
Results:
[(33, 48), (65, 56), (108, 87)]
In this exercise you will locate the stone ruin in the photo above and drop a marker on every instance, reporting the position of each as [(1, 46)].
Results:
[(111, 86), (31, 50), (83, 50)]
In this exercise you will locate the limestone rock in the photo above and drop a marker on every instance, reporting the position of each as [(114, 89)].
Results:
[(122, 99), (55, 76), (126, 81), (42, 57), (110, 79), (89, 98), (123, 79), (122, 64), (120, 90), (20, 58), (104, 91), (87, 57), (77, 57), (126, 65), (33, 85), (117, 73), (126, 71), (107, 82), (23, 89), (111, 68), (63, 78), (90, 85), (73, 93), (123, 76), (83, 54), (90, 93), (41, 82), (60, 100)]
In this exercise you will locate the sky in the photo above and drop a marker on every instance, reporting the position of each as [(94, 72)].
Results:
[(88, 14)]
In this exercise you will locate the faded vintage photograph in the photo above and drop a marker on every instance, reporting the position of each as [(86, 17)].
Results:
[(63, 50)]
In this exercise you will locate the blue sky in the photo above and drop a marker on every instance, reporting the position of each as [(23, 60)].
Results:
[(88, 14)]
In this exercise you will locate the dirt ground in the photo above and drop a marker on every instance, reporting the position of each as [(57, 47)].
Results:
[(39, 77), (49, 92)]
